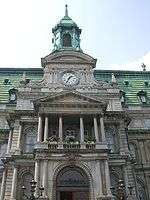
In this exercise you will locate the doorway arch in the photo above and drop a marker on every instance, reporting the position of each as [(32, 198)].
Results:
[(72, 183)]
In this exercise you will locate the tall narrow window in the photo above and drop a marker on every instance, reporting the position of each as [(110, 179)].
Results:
[(67, 40), (112, 140), (29, 140), (133, 151), (3, 149)]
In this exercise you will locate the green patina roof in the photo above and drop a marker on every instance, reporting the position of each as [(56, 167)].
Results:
[(66, 21), (14, 76), (136, 81)]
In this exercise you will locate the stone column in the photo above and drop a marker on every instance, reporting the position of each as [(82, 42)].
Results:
[(37, 175), (45, 175), (39, 137), (82, 133), (102, 129), (14, 184), (96, 130), (60, 132), (99, 180), (19, 139), (107, 176), (46, 129), (9, 141), (3, 185)]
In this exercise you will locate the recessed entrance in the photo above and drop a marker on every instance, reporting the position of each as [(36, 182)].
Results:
[(72, 184)]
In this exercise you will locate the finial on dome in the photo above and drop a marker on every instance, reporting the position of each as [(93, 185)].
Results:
[(66, 10)]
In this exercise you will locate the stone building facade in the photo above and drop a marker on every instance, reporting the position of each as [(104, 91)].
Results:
[(75, 130)]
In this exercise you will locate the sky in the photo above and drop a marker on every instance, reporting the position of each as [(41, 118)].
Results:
[(116, 32)]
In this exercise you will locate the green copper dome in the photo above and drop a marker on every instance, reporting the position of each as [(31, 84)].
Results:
[(66, 21), (66, 34)]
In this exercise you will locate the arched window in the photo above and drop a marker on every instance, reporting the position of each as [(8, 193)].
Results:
[(114, 183), (141, 191), (24, 180), (29, 139), (67, 40)]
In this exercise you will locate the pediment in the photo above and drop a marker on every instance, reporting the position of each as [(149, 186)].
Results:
[(70, 98), (68, 57)]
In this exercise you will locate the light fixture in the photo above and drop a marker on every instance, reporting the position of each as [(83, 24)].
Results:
[(33, 187), (120, 191)]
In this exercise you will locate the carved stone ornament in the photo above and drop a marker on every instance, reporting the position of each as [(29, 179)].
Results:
[(72, 157)]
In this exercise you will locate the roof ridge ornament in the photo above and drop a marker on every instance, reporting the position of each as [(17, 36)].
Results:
[(66, 10), (113, 78), (24, 80), (143, 67)]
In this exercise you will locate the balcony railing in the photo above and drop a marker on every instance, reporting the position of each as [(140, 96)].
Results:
[(54, 146)]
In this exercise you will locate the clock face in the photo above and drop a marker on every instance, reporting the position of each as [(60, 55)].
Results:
[(70, 79)]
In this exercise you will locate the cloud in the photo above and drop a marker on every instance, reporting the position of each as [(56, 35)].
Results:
[(133, 65)]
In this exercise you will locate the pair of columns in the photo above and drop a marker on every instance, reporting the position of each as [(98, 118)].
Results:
[(44, 180), (104, 179), (96, 129)]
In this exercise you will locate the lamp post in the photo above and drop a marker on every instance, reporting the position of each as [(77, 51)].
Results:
[(120, 192), (32, 191)]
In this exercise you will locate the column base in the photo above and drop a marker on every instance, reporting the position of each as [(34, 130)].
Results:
[(83, 146), (17, 152), (60, 145), (105, 198)]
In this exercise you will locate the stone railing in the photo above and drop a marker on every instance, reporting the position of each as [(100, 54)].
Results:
[(54, 146)]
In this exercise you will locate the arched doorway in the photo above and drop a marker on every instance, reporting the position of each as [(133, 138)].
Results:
[(72, 184)]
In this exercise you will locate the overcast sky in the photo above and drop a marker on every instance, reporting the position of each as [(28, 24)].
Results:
[(116, 32)]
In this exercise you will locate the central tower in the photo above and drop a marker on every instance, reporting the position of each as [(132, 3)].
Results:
[(66, 34)]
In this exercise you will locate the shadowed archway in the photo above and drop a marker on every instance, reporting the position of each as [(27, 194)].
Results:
[(72, 184)]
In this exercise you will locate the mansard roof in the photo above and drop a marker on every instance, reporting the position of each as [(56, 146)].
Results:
[(131, 82)]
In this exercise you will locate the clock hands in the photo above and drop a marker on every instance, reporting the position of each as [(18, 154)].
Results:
[(69, 78)]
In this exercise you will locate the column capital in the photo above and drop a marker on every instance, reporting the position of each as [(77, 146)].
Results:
[(101, 115)]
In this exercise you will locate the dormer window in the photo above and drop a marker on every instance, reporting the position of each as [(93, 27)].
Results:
[(142, 96), (122, 97), (7, 82), (12, 95), (126, 83), (146, 84), (67, 40)]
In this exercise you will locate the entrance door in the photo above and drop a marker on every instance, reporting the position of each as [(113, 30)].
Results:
[(66, 196), (72, 184), (74, 195)]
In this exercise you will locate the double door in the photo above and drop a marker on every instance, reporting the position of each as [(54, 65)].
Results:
[(73, 195)]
